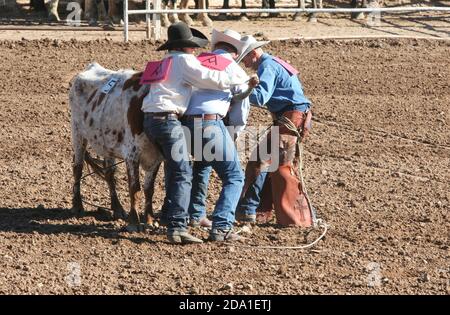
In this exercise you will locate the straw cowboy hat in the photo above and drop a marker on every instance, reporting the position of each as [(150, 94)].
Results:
[(181, 36), (249, 43), (230, 37)]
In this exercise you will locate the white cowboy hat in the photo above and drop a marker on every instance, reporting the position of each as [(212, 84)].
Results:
[(228, 36), (250, 43)]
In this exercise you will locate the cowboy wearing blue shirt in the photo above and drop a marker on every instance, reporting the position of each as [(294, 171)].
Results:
[(204, 117), (278, 90), (281, 92)]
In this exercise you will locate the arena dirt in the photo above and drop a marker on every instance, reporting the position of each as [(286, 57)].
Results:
[(376, 166)]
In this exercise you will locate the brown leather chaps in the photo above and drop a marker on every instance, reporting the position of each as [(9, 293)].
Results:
[(283, 189)]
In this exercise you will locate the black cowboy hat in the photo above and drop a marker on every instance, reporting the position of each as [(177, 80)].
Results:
[(180, 36)]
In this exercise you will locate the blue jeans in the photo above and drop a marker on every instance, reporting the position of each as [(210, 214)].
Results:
[(168, 134), (252, 198), (212, 136)]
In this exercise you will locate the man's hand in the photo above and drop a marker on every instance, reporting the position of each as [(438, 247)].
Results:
[(253, 82)]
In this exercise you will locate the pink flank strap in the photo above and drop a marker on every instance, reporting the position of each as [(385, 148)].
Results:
[(156, 71), (287, 66), (213, 61)]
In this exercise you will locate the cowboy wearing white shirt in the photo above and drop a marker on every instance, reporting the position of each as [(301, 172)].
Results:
[(163, 106), (204, 117)]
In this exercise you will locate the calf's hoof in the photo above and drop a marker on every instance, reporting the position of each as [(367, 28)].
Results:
[(221, 17), (93, 22), (312, 19), (134, 228), (119, 214), (296, 17), (358, 16), (243, 18), (77, 211)]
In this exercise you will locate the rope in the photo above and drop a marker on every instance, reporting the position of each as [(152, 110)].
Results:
[(102, 169), (319, 223)]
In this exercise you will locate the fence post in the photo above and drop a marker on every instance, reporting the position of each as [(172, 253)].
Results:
[(157, 20), (147, 20), (125, 20)]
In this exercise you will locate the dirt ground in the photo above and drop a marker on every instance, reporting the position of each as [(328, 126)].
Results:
[(376, 164)]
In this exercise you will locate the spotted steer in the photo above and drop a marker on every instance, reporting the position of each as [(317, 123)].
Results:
[(107, 116)]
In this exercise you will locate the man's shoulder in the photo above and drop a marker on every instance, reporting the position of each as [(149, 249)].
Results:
[(235, 67), (187, 58), (268, 61), (271, 65)]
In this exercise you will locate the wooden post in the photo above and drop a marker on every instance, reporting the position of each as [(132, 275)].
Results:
[(148, 21), (157, 20)]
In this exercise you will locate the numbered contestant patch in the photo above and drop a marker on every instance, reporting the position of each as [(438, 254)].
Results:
[(213, 61), (156, 71), (285, 65), (109, 85)]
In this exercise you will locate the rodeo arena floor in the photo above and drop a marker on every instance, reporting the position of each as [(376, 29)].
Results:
[(376, 166)]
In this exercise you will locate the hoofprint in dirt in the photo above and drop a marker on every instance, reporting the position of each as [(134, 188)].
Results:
[(376, 169)]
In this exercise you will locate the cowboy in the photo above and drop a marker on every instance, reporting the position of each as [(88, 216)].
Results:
[(281, 92), (164, 105), (204, 117)]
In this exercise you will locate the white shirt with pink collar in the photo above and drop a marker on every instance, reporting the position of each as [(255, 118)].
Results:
[(186, 71)]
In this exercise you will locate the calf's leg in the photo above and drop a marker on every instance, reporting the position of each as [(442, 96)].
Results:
[(149, 189), (118, 211), (135, 194), (79, 148)]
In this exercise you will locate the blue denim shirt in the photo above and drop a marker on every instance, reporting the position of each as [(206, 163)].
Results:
[(278, 90)]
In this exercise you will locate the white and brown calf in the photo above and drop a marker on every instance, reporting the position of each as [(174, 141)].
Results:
[(111, 124)]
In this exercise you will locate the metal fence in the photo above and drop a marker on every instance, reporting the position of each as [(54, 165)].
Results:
[(153, 16)]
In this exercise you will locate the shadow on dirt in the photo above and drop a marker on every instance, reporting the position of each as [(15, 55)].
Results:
[(54, 221)]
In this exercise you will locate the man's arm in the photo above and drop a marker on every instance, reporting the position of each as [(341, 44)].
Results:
[(239, 108), (203, 78), (264, 91), (243, 93)]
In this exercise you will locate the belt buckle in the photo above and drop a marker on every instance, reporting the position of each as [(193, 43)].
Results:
[(171, 116), (155, 116)]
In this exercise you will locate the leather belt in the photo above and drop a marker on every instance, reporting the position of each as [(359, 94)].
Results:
[(163, 115), (204, 116)]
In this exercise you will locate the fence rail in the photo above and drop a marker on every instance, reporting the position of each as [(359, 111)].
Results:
[(157, 11)]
